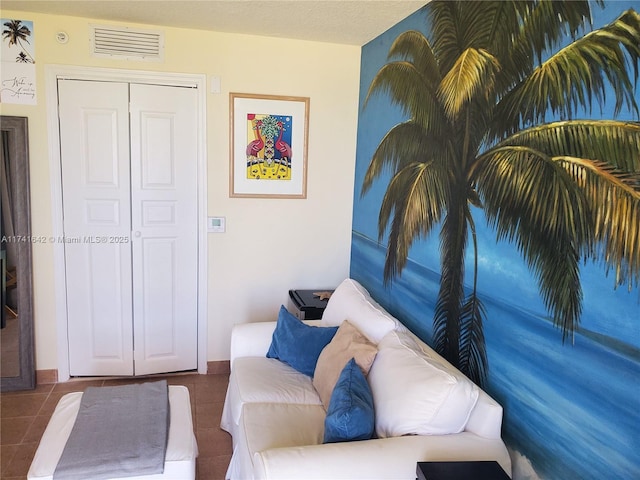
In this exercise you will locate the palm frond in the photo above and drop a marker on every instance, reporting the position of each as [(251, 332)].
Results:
[(441, 315), (541, 25), (614, 198), (458, 26), (518, 181), (603, 160), (443, 19), (472, 75), (503, 28), (532, 201), (408, 89), (405, 143), (556, 267), (414, 47), (547, 22), (413, 204), (576, 76), (473, 353), (614, 142)]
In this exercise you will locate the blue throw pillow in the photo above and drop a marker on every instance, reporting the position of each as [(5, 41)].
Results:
[(298, 344), (350, 415)]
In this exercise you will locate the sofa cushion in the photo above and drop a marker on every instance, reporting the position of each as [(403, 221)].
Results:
[(298, 344), (267, 426), (264, 380), (415, 394), (351, 301), (350, 415), (347, 343)]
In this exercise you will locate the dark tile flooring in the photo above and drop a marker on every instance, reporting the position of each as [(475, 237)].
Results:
[(24, 416)]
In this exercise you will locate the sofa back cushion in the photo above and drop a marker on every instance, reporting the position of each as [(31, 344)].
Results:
[(297, 344), (351, 301), (414, 393), (348, 343)]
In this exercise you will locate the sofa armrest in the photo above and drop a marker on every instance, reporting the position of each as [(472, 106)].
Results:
[(254, 339), (384, 458), (251, 339)]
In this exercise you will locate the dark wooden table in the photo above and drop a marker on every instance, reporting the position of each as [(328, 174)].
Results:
[(483, 470)]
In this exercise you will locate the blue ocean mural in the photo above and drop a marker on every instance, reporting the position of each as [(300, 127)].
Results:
[(572, 407)]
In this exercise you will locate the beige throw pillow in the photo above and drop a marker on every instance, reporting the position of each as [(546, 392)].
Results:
[(346, 344)]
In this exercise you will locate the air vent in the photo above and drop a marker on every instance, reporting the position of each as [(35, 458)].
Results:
[(123, 43)]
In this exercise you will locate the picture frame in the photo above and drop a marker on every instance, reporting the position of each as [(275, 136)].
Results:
[(268, 146)]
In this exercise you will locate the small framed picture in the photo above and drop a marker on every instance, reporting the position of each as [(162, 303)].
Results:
[(268, 146)]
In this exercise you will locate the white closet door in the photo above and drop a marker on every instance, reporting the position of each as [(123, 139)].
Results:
[(130, 218), (94, 136), (164, 195)]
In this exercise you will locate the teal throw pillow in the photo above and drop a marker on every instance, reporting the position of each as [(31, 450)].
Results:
[(350, 415), (298, 344)]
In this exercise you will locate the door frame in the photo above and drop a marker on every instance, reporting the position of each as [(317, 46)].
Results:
[(198, 81)]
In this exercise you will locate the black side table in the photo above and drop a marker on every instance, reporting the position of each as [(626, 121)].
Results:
[(483, 470), (305, 305)]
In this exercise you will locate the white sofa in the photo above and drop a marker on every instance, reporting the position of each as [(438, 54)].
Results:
[(425, 410)]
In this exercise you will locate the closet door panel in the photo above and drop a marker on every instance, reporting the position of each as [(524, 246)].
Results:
[(158, 260), (164, 223), (94, 136)]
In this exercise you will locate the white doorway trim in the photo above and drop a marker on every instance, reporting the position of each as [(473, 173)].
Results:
[(197, 81)]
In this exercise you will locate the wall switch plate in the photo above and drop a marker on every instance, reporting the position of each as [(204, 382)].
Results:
[(215, 85), (216, 224)]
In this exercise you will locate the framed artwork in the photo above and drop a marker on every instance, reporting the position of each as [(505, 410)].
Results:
[(268, 146), (18, 71)]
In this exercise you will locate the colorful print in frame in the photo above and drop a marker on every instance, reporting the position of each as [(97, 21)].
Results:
[(268, 146)]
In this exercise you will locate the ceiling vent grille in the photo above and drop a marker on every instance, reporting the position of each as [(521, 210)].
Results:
[(123, 43)]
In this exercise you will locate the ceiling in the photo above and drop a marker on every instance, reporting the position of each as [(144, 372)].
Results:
[(351, 22)]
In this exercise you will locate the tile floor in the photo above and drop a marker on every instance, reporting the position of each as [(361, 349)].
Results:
[(24, 416)]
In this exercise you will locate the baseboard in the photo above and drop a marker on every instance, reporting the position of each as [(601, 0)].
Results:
[(218, 367), (44, 377)]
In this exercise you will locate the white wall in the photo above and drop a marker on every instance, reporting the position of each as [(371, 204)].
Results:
[(270, 245)]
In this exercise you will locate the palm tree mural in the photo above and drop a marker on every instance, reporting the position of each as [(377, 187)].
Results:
[(478, 93), (17, 33)]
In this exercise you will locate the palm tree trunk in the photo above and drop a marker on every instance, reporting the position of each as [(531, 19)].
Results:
[(453, 242), (26, 51)]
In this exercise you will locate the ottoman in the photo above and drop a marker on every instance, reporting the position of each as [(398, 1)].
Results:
[(182, 449)]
